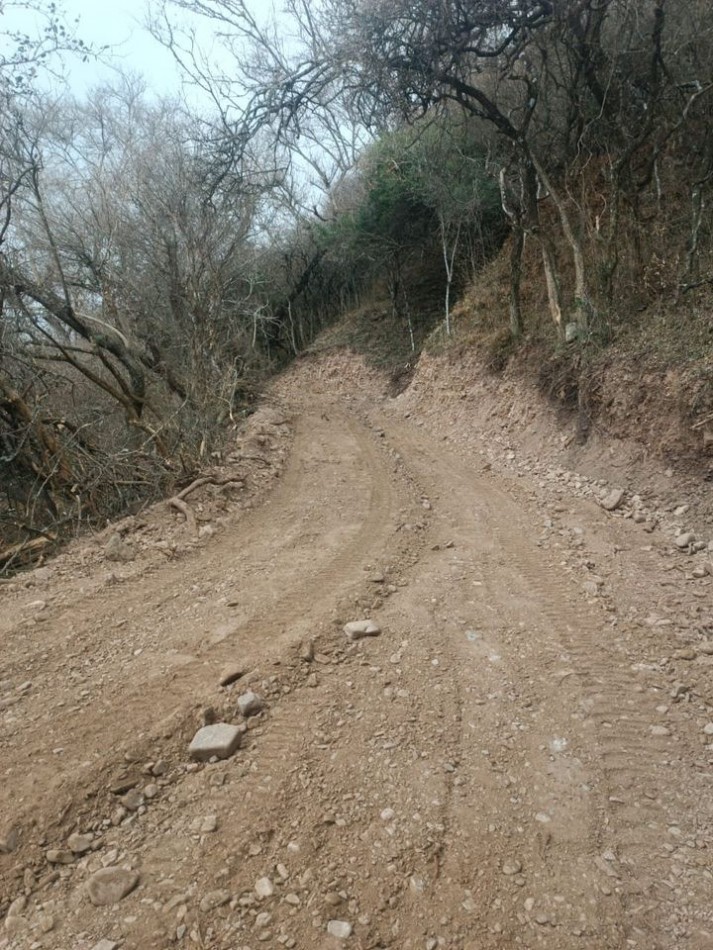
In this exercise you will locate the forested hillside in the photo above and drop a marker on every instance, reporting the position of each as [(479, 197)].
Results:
[(515, 175)]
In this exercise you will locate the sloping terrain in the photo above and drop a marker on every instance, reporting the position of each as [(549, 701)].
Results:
[(520, 759)]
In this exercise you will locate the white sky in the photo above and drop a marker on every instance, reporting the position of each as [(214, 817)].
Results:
[(119, 24)]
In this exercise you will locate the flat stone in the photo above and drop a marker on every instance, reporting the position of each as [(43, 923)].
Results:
[(357, 629), (512, 867), (249, 704), (660, 731), (110, 885), (708, 729), (219, 740), (613, 500), (79, 843), (231, 674), (56, 856), (106, 945), (340, 929)]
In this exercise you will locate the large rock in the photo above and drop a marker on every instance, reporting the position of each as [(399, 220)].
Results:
[(118, 550), (110, 885), (219, 740)]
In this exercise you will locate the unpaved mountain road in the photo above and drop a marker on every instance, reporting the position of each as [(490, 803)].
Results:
[(504, 766)]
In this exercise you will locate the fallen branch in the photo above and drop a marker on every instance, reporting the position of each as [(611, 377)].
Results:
[(20, 550), (207, 480)]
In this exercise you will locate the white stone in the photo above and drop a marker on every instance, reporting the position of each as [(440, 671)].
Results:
[(220, 740), (357, 629), (339, 929)]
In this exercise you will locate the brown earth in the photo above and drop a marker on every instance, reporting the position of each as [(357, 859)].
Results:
[(521, 759)]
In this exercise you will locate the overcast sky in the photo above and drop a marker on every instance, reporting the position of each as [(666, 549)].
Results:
[(119, 24)]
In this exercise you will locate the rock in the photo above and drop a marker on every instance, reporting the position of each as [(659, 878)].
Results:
[(118, 550), (214, 899), (613, 500), (708, 729), (307, 651), (204, 826), (45, 922), (133, 800), (79, 844), (230, 674), (512, 867), (110, 885), (125, 782), (249, 704), (55, 856), (684, 539), (687, 653), (219, 740), (706, 648), (9, 841), (388, 814), (264, 887), (660, 731), (357, 629), (151, 791), (106, 945), (17, 906), (680, 511), (339, 929)]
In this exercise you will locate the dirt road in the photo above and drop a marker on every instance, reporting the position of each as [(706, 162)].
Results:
[(516, 761)]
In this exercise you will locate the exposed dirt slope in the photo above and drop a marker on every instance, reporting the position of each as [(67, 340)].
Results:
[(520, 759)]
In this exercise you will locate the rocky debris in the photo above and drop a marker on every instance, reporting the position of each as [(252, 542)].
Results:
[(219, 740), (231, 674), (357, 629), (106, 945), (118, 550), (613, 500), (250, 704), (708, 729), (340, 929), (110, 885), (307, 650), (512, 867), (684, 540), (79, 844)]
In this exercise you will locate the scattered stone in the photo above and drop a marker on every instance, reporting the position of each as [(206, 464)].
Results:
[(151, 791), (133, 800), (512, 867), (708, 729), (45, 922), (613, 500), (106, 945), (214, 899), (249, 704), (118, 550), (110, 885), (688, 653), (307, 651), (357, 629), (339, 929), (231, 674), (219, 740), (124, 783), (264, 887), (79, 844), (55, 856), (388, 814), (660, 731), (706, 647), (684, 540)]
